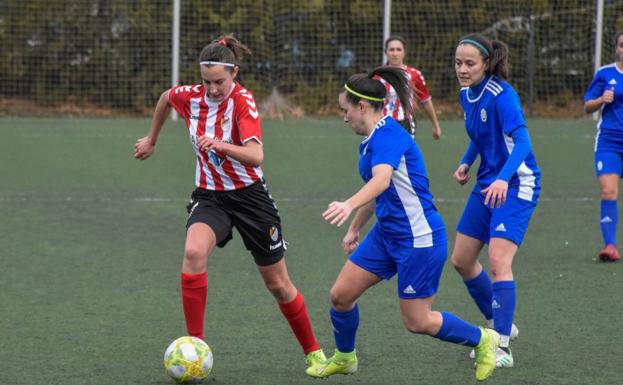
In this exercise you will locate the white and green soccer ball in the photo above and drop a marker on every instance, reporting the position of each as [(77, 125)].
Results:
[(188, 360)]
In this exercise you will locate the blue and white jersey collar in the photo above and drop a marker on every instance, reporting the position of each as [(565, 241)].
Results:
[(378, 124), (474, 93)]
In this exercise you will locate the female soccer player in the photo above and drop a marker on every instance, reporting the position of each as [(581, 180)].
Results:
[(225, 133), (606, 94), (409, 237), (507, 187), (395, 50)]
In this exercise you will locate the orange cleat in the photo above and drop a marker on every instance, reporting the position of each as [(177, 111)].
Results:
[(609, 254)]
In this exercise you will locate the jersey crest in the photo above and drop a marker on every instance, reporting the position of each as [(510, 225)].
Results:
[(483, 115)]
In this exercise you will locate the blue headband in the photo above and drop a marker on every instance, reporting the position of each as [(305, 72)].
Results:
[(483, 50)]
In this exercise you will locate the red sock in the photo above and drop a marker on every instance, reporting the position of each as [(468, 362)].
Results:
[(296, 314), (194, 293)]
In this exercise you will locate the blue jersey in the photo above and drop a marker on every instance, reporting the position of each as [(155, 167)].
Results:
[(492, 112), (610, 125), (405, 210)]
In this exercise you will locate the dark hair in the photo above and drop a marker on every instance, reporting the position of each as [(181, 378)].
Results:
[(397, 38), (617, 36), (369, 85), (225, 49), (497, 54)]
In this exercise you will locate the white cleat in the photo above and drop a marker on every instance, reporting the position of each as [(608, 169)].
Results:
[(504, 359)]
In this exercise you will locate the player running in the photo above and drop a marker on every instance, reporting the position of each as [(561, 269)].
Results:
[(408, 239), (395, 50), (226, 137)]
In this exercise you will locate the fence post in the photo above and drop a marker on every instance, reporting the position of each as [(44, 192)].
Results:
[(387, 26), (531, 63), (599, 30), (175, 52)]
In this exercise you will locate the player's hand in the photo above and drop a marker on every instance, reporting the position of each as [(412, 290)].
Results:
[(208, 144), (143, 148), (436, 133), (495, 193), (608, 96), (461, 174), (350, 241), (337, 213)]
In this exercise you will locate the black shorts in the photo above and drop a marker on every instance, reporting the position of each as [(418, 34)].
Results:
[(251, 210), (410, 126)]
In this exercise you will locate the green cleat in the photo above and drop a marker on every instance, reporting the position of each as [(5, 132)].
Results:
[(485, 353), (340, 363), (314, 358)]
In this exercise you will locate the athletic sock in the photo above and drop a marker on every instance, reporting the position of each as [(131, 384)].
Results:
[(481, 290), (504, 297), (345, 328), (608, 221), (295, 312), (455, 330), (194, 293)]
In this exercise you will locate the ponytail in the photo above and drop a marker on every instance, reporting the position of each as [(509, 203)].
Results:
[(369, 88), (499, 60)]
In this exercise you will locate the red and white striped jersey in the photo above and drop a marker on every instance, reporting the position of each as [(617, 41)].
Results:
[(234, 120), (392, 102)]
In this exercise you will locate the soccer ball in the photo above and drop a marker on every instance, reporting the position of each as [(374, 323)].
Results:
[(188, 360)]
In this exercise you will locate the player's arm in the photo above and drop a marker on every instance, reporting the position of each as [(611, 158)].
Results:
[(363, 215), (598, 94), (338, 212), (511, 119), (145, 146), (251, 153), (430, 111), (593, 105), (495, 193), (461, 174)]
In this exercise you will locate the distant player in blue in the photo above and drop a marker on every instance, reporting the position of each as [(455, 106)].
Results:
[(605, 93), (408, 239), (507, 184)]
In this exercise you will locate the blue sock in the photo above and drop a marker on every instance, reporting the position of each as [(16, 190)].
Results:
[(345, 328), (481, 291), (503, 304), (608, 221), (455, 330)]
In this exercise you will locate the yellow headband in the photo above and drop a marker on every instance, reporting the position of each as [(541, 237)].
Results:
[(362, 96)]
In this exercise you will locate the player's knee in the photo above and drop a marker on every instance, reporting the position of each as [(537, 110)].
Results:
[(461, 264), (417, 325), (279, 289), (195, 255), (609, 193), (500, 267), (340, 301)]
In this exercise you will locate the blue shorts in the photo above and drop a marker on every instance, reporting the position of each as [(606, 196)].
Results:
[(608, 162), (509, 221), (419, 269)]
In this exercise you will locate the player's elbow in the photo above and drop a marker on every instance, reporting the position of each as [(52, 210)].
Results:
[(256, 161), (257, 157)]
